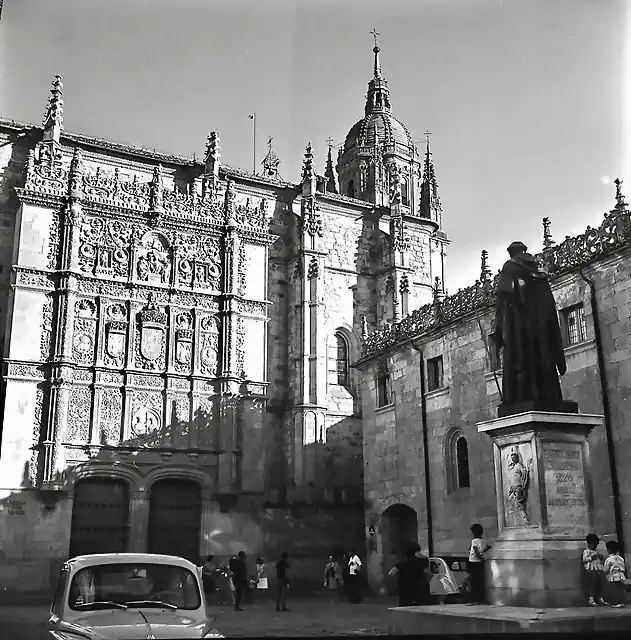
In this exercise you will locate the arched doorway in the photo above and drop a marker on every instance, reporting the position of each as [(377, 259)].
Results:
[(100, 516), (398, 529), (175, 516)]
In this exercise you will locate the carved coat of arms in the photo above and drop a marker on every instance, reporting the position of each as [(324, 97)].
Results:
[(153, 322), (115, 343)]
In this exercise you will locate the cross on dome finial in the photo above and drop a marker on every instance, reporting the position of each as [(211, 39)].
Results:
[(375, 33), (376, 50), (330, 142)]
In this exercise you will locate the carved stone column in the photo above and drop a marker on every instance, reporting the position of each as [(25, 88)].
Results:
[(229, 325), (53, 458), (544, 507), (138, 541)]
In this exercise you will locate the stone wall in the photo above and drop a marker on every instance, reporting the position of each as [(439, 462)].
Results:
[(393, 451)]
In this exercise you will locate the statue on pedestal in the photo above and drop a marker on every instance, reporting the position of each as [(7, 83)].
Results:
[(529, 333)]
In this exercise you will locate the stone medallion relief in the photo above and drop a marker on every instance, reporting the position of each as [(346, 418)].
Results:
[(84, 334)]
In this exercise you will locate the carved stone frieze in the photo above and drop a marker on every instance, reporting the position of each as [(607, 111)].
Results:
[(110, 377), (82, 375), (179, 383), (84, 331), (252, 307), (34, 470), (104, 247), (27, 371), (204, 386), (54, 240), (110, 416), (198, 263), (209, 345), (79, 412), (34, 279), (151, 382), (242, 270)]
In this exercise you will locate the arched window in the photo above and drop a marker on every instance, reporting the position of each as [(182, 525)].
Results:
[(341, 359), (405, 192), (457, 462), (350, 189)]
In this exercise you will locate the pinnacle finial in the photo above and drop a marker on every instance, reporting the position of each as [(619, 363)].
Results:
[(485, 272), (376, 50), (547, 235), (621, 204), (329, 174), (213, 154), (54, 118), (307, 164)]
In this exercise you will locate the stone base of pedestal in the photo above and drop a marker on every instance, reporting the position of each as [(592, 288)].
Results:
[(488, 619), (562, 406), (535, 573)]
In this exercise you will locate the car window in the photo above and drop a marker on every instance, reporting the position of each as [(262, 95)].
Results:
[(455, 566), (132, 583), (58, 598)]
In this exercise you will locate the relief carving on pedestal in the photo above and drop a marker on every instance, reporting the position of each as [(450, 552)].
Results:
[(209, 345), (518, 482), (116, 335), (150, 344), (84, 333), (183, 341), (153, 263)]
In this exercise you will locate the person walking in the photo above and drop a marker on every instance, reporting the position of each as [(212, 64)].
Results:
[(239, 578), (282, 583)]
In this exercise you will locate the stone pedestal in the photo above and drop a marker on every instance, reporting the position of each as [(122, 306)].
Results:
[(544, 508)]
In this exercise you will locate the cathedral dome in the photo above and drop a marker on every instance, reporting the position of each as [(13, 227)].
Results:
[(378, 127)]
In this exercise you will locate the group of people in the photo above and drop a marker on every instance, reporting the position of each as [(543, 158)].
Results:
[(345, 578), (604, 576), (235, 575)]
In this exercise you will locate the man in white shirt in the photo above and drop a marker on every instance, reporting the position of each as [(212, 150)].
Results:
[(354, 577)]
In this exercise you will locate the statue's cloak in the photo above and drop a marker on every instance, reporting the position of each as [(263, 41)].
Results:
[(528, 329)]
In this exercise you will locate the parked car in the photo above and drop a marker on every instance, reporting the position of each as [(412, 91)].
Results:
[(124, 596), (448, 583)]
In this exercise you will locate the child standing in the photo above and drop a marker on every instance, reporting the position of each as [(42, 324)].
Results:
[(476, 563), (615, 572), (593, 565)]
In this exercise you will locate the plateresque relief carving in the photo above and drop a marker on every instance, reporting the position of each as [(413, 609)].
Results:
[(116, 335), (84, 333), (198, 262), (209, 345), (150, 345), (153, 263), (183, 341), (104, 247)]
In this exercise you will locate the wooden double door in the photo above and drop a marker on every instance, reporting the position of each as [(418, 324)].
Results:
[(101, 518)]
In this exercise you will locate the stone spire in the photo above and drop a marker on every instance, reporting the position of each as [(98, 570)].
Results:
[(485, 272), (430, 206), (54, 118), (378, 98), (270, 162), (212, 162), (329, 175)]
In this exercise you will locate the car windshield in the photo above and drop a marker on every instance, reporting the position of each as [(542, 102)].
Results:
[(133, 585)]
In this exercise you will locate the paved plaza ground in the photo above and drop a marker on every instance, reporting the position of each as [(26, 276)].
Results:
[(307, 617)]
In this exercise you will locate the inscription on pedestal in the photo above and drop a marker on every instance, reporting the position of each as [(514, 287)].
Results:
[(565, 484)]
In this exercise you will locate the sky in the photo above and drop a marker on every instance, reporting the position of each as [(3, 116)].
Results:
[(525, 99)]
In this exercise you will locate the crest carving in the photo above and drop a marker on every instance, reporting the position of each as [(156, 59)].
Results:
[(152, 327), (116, 332)]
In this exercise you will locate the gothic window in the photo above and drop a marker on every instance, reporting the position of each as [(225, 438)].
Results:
[(435, 373), (457, 460), (574, 325), (350, 189), (340, 361), (405, 192), (384, 391)]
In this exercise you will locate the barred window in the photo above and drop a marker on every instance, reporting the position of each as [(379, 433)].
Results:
[(434, 373), (575, 327)]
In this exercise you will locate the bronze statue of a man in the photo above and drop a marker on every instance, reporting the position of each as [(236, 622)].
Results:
[(528, 330)]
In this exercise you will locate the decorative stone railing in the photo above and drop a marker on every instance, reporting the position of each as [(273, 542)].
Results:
[(613, 234)]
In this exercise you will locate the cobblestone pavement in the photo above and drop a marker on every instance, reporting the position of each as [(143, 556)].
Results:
[(307, 617)]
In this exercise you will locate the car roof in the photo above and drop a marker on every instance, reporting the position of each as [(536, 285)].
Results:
[(79, 562)]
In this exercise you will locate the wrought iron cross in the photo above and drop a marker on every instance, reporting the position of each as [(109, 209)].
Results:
[(375, 33), (428, 133)]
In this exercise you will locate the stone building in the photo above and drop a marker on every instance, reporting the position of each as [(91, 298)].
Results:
[(428, 379), (178, 335)]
